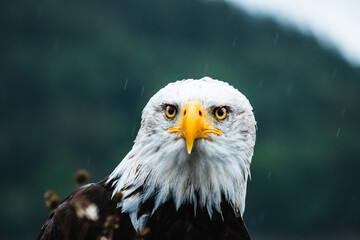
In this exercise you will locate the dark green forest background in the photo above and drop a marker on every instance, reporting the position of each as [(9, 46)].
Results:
[(75, 75)]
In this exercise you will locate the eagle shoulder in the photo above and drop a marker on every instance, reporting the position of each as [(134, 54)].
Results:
[(84, 214)]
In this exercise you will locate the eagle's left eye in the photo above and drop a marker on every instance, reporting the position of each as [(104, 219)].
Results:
[(220, 113), (170, 111)]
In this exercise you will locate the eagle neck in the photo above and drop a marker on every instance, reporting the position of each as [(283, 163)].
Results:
[(204, 179)]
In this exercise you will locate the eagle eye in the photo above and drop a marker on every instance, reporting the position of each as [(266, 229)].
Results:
[(220, 113), (170, 111)]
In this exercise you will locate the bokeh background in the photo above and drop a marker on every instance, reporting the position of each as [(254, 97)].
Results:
[(75, 75)]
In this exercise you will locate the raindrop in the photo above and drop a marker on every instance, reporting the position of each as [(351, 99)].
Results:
[(234, 42), (56, 45), (260, 84), (126, 82), (269, 175), (206, 68), (334, 73), (89, 161), (338, 131), (40, 11), (276, 38), (230, 16), (289, 89), (142, 90), (343, 112), (133, 131)]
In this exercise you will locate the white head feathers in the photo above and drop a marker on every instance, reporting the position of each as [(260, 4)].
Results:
[(218, 166)]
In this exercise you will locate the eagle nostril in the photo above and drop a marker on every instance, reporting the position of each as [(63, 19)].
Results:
[(200, 113)]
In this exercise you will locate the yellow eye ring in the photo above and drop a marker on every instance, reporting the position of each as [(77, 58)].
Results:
[(170, 111), (220, 113)]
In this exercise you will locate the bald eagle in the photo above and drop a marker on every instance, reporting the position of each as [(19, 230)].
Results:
[(184, 178)]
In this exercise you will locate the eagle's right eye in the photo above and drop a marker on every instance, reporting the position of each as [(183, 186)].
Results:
[(170, 111)]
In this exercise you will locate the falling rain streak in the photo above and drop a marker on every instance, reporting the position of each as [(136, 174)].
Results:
[(276, 38), (133, 131), (338, 132), (126, 82), (88, 161), (234, 43), (343, 112), (142, 90), (334, 73), (289, 89), (206, 68), (56, 46)]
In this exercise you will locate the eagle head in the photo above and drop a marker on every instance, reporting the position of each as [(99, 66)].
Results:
[(194, 146)]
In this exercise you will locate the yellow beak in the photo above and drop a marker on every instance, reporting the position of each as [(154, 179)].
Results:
[(194, 124)]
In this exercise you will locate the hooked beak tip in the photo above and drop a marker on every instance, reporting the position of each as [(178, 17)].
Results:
[(189, 148)]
